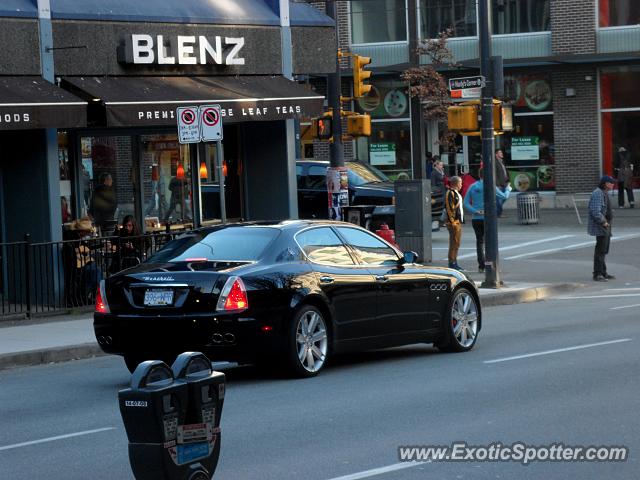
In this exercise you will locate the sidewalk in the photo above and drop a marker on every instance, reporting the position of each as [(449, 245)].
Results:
[(62, 338)]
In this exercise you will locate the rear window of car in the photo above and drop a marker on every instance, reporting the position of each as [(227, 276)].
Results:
[(230, 243)]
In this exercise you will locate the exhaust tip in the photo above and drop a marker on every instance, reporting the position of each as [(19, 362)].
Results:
[(229, 338), (217, 338)]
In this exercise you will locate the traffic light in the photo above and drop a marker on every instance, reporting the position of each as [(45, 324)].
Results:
[(323, 127), (360, 75), (359, 125), (463, 118)]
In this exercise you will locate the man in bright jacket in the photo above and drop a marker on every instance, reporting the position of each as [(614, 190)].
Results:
[(474, 203)]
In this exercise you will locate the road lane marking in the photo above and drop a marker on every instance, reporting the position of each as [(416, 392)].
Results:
[(520, 245), (626, 306), (379, 471), (558, 350), (600, 296), (568, 247), (59, 437), (620, 289)]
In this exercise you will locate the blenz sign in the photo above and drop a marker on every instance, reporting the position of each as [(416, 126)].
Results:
[(141, 49)]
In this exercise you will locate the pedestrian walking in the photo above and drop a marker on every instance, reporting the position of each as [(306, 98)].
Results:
[(623, 168), (474, 203), (599, 226), (502, 178), (454, 218)]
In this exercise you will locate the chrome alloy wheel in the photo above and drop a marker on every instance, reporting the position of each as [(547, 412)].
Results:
[(464, 319), (311, 340)]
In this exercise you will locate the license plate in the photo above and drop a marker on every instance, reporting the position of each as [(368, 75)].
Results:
[(156, 298)]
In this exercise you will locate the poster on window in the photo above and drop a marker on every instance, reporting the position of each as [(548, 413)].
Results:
[(338, 191), (382, 154), (525, 148), (523, 180), (528, 93)]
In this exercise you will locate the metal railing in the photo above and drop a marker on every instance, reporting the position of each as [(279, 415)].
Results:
[(55, 277)]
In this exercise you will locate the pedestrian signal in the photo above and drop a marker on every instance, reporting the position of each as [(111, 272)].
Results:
[(323, 128)]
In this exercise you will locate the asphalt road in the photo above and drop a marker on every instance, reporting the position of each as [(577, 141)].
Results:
[(352, 418)]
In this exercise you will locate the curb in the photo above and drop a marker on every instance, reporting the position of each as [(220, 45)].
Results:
[(50, 355), (527, 295)]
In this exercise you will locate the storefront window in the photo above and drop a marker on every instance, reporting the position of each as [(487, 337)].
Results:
[(388, 149), (376, 21), (520, 16), (66, 192), (616, 13), (108, 165), (389, 146), (529, 149), (166, 181), (620, 94), (439, 15)]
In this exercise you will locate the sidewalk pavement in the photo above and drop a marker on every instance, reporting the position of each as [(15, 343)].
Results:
[(68, 337)]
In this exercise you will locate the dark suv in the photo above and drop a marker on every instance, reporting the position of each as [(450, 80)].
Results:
[(367, 186)]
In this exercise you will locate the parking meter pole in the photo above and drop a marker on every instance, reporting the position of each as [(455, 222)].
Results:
[(492, 275), (220, 166), (336, 151)]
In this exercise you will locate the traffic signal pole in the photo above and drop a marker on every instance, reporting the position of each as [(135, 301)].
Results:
[(334, 90), (492, 266)]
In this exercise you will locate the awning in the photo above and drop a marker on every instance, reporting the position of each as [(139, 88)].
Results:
[(32, 102), (152, 101)]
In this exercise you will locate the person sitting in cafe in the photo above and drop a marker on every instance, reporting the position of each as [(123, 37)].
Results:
[(86, 273), (129, 246)]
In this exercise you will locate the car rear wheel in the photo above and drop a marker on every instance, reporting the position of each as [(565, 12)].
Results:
[(308, 342), (461, 328)]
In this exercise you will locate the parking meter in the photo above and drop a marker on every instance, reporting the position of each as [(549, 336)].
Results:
[(152, 408), (206, 390)]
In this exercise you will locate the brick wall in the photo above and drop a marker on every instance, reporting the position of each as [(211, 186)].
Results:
[(573, 26), (576, 133)]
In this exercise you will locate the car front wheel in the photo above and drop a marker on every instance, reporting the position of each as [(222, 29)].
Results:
[(461, 328), (308, 342)]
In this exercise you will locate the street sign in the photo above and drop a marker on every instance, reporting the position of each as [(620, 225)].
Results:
[(210, 123), (467, 93), (188, 125), (466, 82)]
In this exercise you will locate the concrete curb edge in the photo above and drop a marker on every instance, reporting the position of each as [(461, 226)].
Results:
[(527, 295), (50, 355)]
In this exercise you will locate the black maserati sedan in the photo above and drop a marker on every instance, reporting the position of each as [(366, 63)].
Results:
[(294, 292)]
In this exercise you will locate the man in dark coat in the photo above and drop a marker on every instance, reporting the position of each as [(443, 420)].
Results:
[(599, 226), (623, 168), (502, 178), (104, 203)]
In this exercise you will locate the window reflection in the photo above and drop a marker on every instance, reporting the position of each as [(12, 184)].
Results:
[(616, 13), (439, 15), (375, 21), (322, 245)]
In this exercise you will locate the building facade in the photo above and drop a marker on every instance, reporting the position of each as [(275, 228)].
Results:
[(572, 75), (89, 95)]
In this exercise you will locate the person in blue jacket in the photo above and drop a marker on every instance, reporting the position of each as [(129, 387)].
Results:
[(474, 204)]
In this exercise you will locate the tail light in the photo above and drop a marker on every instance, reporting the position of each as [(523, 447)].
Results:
[(102, 306), (233, 297)]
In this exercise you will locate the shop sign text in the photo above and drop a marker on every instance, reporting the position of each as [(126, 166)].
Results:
[(142, 49), (15, 118), (227, 112)]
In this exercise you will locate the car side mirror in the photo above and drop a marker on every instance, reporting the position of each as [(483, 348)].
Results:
[(409, 257)]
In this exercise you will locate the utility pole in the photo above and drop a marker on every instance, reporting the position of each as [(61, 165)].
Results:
[(492, 266), (334, 90)]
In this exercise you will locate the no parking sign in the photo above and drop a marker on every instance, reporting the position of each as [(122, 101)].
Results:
[(210, 123), (188, 125)]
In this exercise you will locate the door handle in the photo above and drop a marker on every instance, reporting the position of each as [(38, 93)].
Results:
[(382, 278), (326, 279)]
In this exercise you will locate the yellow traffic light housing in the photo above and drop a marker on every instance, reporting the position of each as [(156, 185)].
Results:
[(463, 118), (360, 75), (359, 125), (323, 127)]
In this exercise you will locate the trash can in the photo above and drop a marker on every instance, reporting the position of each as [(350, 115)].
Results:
[(528, 208)]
